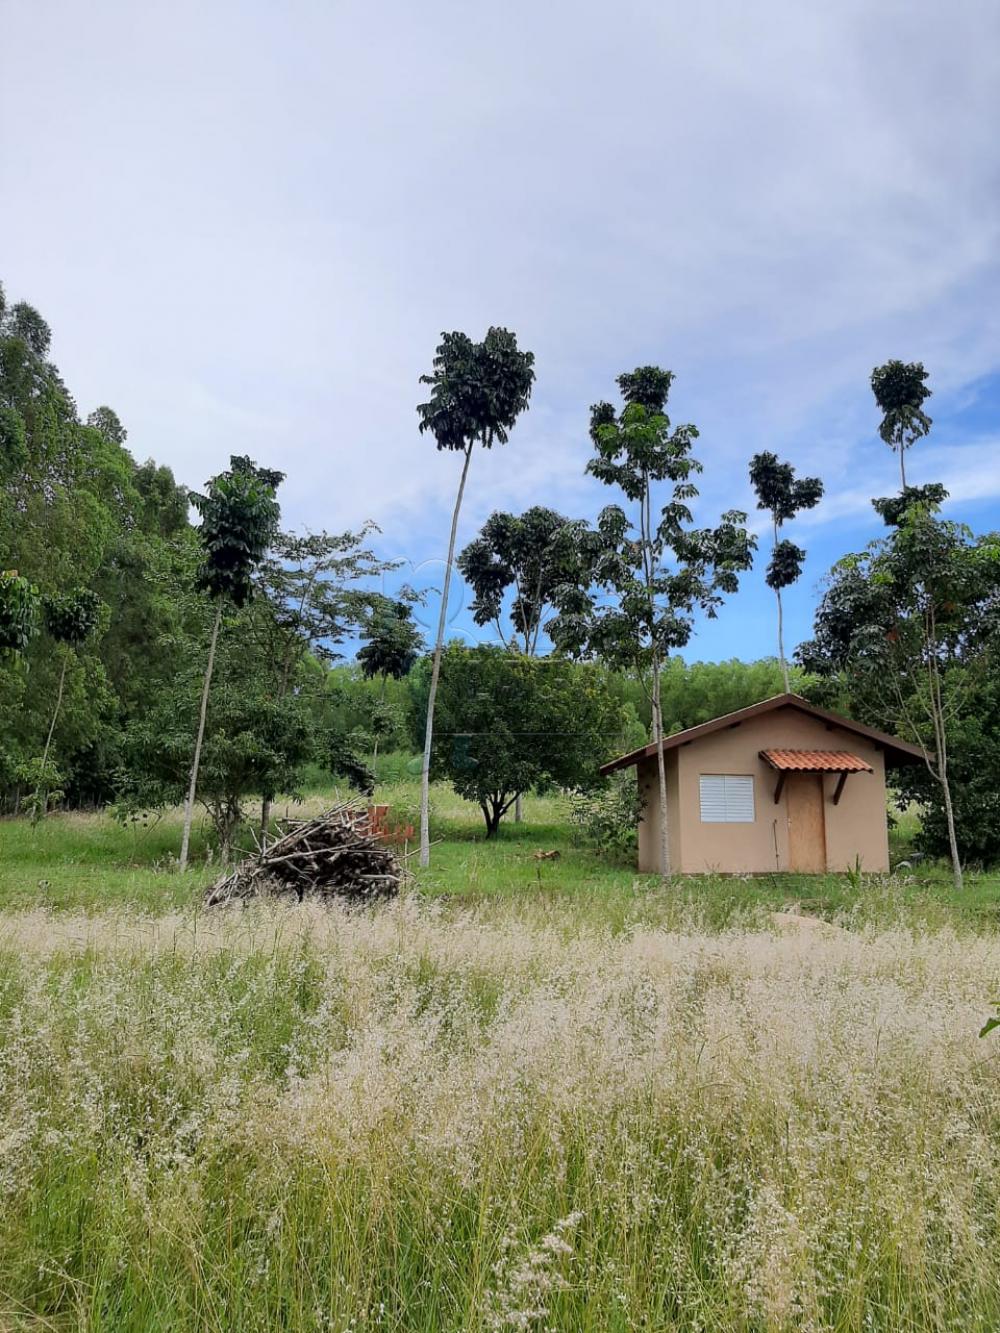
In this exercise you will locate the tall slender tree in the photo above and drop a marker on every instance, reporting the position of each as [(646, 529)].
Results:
[(70, 619), (656, 573), (900, 393), (782, 496), (478, 390), (239, 518)]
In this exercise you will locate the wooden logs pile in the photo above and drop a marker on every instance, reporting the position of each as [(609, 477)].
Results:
[(336, 855)]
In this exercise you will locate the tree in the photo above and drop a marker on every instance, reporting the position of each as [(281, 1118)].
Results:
[(657, 576), (310, 601), (13, 442), (239, 517), (539, 555), (892, 508), (912, 624), (76, 510), (542, 557), (252, 743), (900, 393), (390, 645), (70, 620), (478, 390), (783, 497), (106, 421), (508, 722)]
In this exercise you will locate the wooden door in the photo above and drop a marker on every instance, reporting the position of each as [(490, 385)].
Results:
[(806, 823)]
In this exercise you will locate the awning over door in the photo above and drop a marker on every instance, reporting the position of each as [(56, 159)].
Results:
[(815, 761)]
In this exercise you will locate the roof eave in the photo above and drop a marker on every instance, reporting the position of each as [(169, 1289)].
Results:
[(902, 752)]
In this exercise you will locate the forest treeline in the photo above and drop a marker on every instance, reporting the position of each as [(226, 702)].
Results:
[(107, 617)]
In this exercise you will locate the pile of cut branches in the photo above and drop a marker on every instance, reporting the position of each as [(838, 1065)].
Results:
[(335, 855)]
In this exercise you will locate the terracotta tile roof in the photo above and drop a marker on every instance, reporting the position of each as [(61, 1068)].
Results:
[(817, 761)]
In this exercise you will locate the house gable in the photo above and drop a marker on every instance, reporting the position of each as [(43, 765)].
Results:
[(897, 751)]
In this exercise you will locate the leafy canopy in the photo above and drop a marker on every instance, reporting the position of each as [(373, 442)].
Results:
[(239, 519), (540, 555), (19, 603), (782, 495), (72, 617), (509, 723), (390, 640), (650, 579), (478, 390), (908, 629), (779, 491), (900, 393)]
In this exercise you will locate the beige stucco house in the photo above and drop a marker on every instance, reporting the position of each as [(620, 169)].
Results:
[(778, 786)]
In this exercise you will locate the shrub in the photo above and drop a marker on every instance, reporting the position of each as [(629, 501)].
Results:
[(608, 819)]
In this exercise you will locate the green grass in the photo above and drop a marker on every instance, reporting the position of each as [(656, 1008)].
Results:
[(412, 1121), (88, 861), (529, 1095)]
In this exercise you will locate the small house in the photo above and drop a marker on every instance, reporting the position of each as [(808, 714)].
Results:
[(779, 786)]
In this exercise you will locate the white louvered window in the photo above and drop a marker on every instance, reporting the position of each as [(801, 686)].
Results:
[(726, 799)]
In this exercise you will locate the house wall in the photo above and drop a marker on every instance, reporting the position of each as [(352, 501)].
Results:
[(649, 826), (857, 827)]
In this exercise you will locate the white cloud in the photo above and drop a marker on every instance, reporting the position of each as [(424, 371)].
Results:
[(248, 224)]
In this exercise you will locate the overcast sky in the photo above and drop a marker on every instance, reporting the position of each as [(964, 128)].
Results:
[(247, 224)]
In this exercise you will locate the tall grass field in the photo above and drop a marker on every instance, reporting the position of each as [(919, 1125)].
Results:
[(493, 1118), (526, 1096)]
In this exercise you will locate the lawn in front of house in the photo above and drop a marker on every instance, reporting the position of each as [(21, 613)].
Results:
[(89, 861)]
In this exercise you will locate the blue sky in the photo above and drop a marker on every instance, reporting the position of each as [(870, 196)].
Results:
[(247, 224)]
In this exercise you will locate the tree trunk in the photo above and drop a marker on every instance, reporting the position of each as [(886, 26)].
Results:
[(493, 812), (661, 774), (781, 616), (381, 699), (781, 642), (518, 809), (425, 770), (648, 565), (193, 786), (949, 814), (902, 465), (941, 741), (42, 790)]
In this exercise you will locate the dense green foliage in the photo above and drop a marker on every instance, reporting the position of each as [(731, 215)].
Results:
[(907, 636), (18, 613), (699, 691), (239, 521), (607, 818), (509, 723), (102, 705), (78, 513)]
